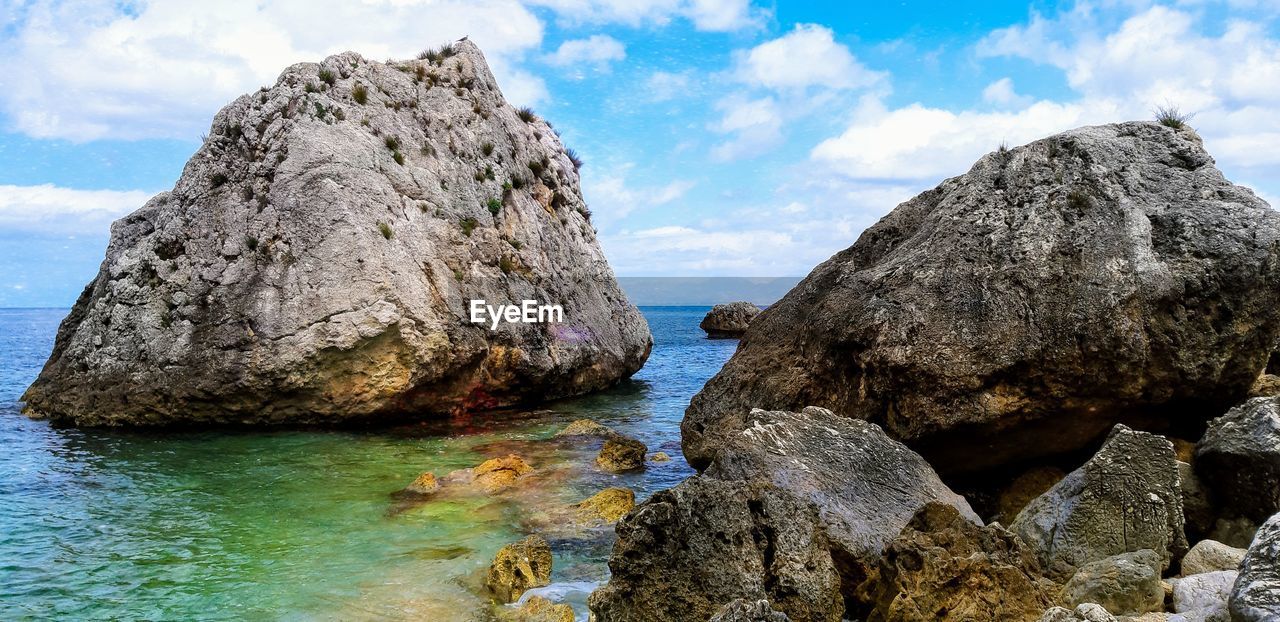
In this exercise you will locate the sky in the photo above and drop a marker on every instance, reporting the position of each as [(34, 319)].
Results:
[(721, 137)]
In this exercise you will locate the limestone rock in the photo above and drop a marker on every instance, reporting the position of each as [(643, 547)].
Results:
[(728, 321), (659, 456), (1025, 488), (944, 567), (609, 504), (1239, 459), (749, 611), (316, 261), (1023, 308), (586, 427), (518, 567), (1211, 556), (791, 499), (539, 609), (491, 476), (1125, 498), (1203, 597), (689, 551), (620, 454), (1267, 385), (1124, 584), (1087, 612), (1256, 594), (424, 484)]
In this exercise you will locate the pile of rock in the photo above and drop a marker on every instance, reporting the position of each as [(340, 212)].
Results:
[(1092, 291)]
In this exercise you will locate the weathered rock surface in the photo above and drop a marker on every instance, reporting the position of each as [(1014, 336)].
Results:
[(608, 505), (659, 456), (795, 509), (1267, 385), (586, 427), (1239, 459), (316, 259), (424, 484), (944, 567), (728, 321), (1203, 597), (491, 476), (1211, 556), (1124, 584), (1104, 274), (749, 611), (1024, 489), (1256, 595), (1126, 498), (1087, 612), (620, 453), (539, 609), (689, 551), (518, 567)]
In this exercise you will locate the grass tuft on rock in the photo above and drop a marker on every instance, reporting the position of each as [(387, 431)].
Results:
[(327, 76), (360, 94), (526, 114), (1171, 116), (385, 230), (495, 206), (468, 225)]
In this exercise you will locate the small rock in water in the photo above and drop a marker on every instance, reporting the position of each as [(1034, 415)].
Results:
[(728, 321), (1239, 459), (609, 504), (1256, 595), (620, 454), (586, 427), (742, 610), (660, 456), (518, 567), (1203, 597), (1125, 584), (425, 484), (539, 609), (1211, 556)]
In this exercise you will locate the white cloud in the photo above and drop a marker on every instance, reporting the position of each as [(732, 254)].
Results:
[(1001, 93), (805, 57), (596, 50), (665, 85), (755, 126), (706, 15), (612, 197), (52, 209)]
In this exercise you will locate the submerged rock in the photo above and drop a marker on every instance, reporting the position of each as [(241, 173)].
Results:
[(518, 567), (1126, 498), (491, 476), (944, 567), (539, 609), (1211, 556), (608, 505), (620, 454), (727, 321), (1104, 274), (1256, 594), (424, 484), (1239, 459), (659, 456), (795, 510), (1124, 584), (586, 427), (316, 261)]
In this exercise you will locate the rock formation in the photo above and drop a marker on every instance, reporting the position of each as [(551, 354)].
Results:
[(1256, 594), (728, 321), (621, 453), (317, 258), (1211, 556), (1104, 274), (1125, 498), (608, 505), (944, 567), (1239, 459), (795, 510), (518, 567), (1203, 597), (1124, 584)]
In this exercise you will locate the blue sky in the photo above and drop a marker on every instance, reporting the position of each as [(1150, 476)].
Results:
[(721, 137)]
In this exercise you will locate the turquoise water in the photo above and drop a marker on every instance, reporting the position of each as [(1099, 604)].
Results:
[(300, 525)]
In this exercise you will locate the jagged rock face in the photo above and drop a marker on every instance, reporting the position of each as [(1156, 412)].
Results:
[(1239, 459), (944, 567), (1125, 498), (316, 260), (730, 320), (1105, 274), (1256, 594), (795, 510)]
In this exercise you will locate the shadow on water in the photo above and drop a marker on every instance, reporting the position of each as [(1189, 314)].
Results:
[(293, 524)]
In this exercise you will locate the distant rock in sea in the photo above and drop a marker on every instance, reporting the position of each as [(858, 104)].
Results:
[(1106, 274), (316, 261), (728, 321)]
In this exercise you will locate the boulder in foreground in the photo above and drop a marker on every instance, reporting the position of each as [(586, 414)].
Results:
[(1238, 459), (316, 261), (1256, 594), (1106, 274), (518, 567)]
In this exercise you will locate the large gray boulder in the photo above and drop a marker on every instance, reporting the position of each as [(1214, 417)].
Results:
[(1238, 459), (1203, 597), (317, 258), (1124, 584), (1106, 274), (1124, 499), (1256, 594), (796, 510)]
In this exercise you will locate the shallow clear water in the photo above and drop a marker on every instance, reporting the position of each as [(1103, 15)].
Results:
[(300, 525)]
